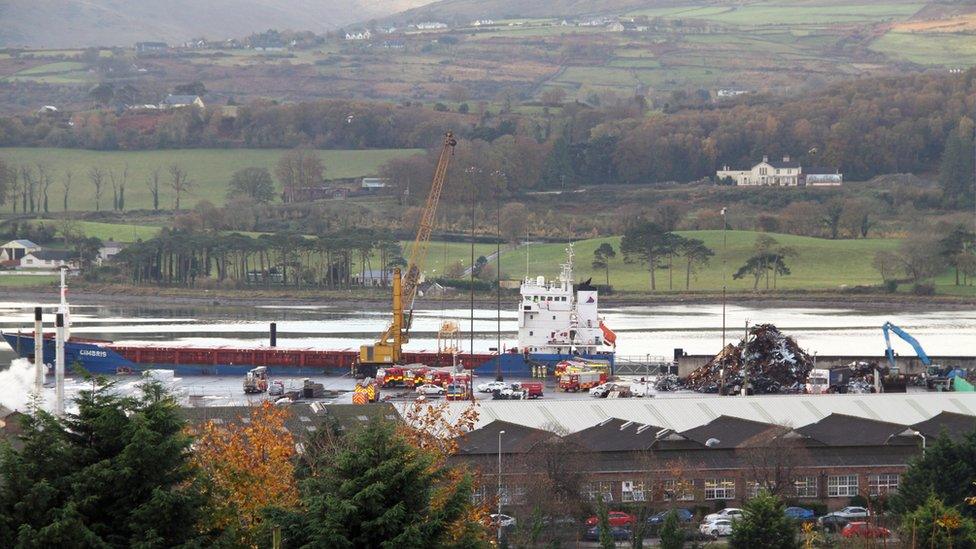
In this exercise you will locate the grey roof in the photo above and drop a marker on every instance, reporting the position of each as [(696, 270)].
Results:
[(55, 255), (516, 440), (782, 164), (956, 426), (687, 412), (848, 430), (180, 99), (616, 435), (732, 432), (23, 242)]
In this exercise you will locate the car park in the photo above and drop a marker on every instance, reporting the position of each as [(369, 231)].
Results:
[(718, 527), (617, 518), (731, 513), (684, 515), (864, 530), (430, 389)]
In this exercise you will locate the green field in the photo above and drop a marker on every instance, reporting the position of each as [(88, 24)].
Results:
[(822, 264), (209, 169), (23, 281), (957, 50)]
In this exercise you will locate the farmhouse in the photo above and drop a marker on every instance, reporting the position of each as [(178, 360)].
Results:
[(179, 101), (17, 249), (785, 173), (49, 259), (373, 183), (361, 35)]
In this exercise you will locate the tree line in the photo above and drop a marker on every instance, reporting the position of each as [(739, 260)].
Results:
[(912, 123), (183, 256)]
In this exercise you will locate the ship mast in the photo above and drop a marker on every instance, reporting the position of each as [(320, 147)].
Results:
[(63, 307)]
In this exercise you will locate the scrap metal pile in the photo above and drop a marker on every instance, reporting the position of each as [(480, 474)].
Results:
[(775, 364)]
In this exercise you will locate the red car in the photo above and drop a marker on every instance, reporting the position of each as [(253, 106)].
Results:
[(864, 530), (617, 518)]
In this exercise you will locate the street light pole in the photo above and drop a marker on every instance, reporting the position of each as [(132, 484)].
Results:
[(498, 495), (725, 248)]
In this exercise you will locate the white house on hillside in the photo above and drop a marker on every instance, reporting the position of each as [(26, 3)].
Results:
[(785, 173), (49, 259), (178, 101)]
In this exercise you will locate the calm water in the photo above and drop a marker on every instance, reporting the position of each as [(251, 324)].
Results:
[(650, 330)]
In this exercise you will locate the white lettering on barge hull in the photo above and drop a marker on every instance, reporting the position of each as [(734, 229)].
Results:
[(100, 354)]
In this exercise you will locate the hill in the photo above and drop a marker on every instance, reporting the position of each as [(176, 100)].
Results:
[(80, 23), (509, 9)]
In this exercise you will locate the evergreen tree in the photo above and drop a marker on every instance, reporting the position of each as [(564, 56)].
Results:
[(933, 524), (648, 242), (956, 169), (764, 524), (671, 535), (601, 258), (557, 172), (947, 471), (603, 524), (114, 474), (378, 490)]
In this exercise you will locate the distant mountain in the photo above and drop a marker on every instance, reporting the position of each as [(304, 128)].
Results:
[(497, 9), (78, 23)]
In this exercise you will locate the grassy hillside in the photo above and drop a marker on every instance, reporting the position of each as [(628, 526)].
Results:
[(209, 169), (78, 23), (821, 265)]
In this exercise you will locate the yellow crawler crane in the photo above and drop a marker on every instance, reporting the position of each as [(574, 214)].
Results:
[(388, 349)]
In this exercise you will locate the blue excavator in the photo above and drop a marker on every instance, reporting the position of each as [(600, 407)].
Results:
[(936, 377)]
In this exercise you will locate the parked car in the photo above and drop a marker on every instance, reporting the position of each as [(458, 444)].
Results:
[(619, 533), (851, 512), (833, 523), (430, 389), (731, 513), (684, 515), (799, 513), (718, 527), (600, 391), (504, 520), (491, 386), (617, 518), (277, 388), (864, 530)]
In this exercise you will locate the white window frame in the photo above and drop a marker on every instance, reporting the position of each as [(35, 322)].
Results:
[(670, 486), (883, 483), (635, 493), (843, 486), (604, 487), (719, 488), (805, 487)]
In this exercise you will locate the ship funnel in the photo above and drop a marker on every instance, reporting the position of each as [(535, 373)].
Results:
[(540, 280), (38, 352), (59, 365)]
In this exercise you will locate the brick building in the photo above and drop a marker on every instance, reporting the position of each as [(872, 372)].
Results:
[(711, 452)]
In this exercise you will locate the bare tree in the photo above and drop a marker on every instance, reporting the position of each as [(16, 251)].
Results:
[(97, 177), (771, 459), (27, 188), (115, 190), (66, 184), (8, 182), (118, 187), (44, 179), (297, 170), (179, 182), (153, 184)]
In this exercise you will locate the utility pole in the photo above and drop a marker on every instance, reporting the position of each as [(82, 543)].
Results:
[(498, 286), (498, 495), (725, 247)]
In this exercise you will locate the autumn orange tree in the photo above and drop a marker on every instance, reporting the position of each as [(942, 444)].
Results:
[(249, 468)]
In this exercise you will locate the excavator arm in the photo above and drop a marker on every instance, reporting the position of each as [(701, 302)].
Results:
[(388, 349), (890, 354)]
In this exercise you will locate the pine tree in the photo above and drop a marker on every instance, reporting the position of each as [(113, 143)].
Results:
[(379, 490), (956, 169), (558, 169), (946, 470), (114, 474), (671, 535), (764, 524), (934, 524)]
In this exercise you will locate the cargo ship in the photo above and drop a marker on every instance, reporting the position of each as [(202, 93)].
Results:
[(556, 321)]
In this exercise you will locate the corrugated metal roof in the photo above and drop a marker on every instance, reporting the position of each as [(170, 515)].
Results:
[(683, 413)]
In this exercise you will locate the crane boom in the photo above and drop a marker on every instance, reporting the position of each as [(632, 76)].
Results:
[(888, 326), (388, 349)]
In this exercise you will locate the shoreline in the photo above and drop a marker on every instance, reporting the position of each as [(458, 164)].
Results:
[(89, 294)]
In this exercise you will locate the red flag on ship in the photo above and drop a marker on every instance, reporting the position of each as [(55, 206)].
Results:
[(608, 335)]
